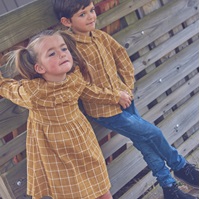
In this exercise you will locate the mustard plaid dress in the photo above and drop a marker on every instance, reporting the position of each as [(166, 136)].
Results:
[(64, 159)]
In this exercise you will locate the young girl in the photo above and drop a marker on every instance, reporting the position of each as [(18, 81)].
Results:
[(64, 159)]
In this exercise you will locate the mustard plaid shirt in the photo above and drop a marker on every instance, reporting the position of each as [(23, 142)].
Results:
[(109, 66)]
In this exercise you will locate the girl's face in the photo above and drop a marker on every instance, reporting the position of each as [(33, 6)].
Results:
[(83, 22), (54, 58)]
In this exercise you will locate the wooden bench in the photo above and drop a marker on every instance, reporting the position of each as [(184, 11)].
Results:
[(161, 38)]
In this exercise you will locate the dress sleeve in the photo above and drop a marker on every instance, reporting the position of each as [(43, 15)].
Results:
[(14, 91)]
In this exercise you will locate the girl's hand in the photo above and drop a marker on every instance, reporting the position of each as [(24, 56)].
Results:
[(125, 99)]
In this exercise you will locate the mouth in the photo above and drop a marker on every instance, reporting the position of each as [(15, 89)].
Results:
[(64, 62), (91, 23)]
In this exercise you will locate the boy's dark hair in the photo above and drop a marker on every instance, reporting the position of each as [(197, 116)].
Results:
[(67, 8)]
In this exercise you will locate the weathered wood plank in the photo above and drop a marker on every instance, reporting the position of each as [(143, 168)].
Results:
[(123, 9), (165, 76), (151, 27), (122, 169), (40, 16), (16, 181), (172, 99), (100, 131), (105, 6), (6, 167), (2, 8), (150, 7), (6, 192), (181, 118), (23, 2), (13, 148), (11, 116), (113, 145), (164, 48), (10, 5)]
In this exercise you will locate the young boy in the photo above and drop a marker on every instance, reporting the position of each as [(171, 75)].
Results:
[(107, 60)]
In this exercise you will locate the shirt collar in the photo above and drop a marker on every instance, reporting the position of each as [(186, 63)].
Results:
[(86, 39)]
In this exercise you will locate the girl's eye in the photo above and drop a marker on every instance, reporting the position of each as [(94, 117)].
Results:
[(51, 54), (64, 49)]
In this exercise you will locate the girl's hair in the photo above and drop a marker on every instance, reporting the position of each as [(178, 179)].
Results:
[(67, 8), (25, 58)]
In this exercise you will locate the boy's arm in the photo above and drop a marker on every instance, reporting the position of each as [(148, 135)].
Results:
[(92, 93), (98, 95), (123, 63), (95, 94)]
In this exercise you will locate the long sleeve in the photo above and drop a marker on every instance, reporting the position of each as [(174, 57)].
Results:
[(123, 63), (94, 94), (14, 91)]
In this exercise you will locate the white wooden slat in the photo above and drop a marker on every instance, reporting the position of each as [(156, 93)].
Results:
[(119, 11), (14, 30), (165, 76), (172, 99), (11, 116), (12, 148), (163, 49)]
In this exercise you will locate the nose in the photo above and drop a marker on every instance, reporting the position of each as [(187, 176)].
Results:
[(61, 54), (90, 15)]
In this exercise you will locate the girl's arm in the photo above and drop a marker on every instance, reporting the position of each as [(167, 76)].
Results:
[(14, 91)]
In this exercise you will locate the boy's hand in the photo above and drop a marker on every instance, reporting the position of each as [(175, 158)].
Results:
[(125, 99)]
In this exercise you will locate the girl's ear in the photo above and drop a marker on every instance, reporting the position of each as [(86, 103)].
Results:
[(39, 69), (65, 21)]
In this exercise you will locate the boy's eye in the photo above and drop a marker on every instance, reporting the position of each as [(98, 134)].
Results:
[(82, 14), (92, 10)]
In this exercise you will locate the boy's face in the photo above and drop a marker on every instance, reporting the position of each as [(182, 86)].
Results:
[(82, 22)]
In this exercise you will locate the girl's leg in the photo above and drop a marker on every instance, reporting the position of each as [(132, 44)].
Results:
[(106, 196)]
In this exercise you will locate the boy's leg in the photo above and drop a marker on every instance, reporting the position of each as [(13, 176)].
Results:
[(189, 173), (148, 139)]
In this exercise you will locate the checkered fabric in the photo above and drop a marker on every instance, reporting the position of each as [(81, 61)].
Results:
[(110, 67), (64, 159)]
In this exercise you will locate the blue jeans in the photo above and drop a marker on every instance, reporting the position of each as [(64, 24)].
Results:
[(149, 140)]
